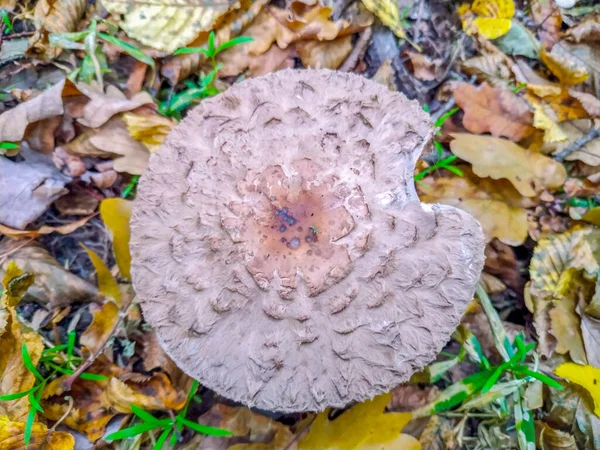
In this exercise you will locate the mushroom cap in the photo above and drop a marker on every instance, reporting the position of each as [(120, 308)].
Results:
[(281, 252)]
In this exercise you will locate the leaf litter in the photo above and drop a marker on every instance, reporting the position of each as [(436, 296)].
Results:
[(95, 89)]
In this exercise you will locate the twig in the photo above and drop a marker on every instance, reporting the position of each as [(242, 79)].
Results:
[(64, 416), (300, 433), (444, 109), (358, 51), (579, 143)]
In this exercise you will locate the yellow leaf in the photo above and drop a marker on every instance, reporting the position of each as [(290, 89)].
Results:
[(166, 24), (566, 69), (326, 54), (14, 376), (541, 120), (528, 171), (12, 437), (587, 377), (491, 28), (387, 11), (115, 213), (149, 130), (107, 285), (364, 426), (504, 9), (55, 16), (101, 327)]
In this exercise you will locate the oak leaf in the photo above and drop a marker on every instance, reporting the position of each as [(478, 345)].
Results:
[(166, 24), (548, 19), (495, 110), (528, 171), (497, 205), (12, 437), (324, 54), (364, 426), (565, 105)]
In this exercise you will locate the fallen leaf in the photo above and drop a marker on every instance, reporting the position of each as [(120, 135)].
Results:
[(166, 24), (115, 213), (528, 171), (325, 54), (12, 437), (548, 19), (589, 102), (107, 285), (385, 75), (388, 12), (364, 426), (150, 130), (53, 285), (519, 41), (96, 402), (80, 201), (564, 105), (490, 67), (259, 432), (495, 110), (49, 103), (564, 66), (493, 17), (586, 376), (586, 30), (104, 105), (424, 68), (55, 16), (588, 153), (542, 120), (438, 434), (102, 326), (14, 375), (45, 229), (496, 205), (27, 188)]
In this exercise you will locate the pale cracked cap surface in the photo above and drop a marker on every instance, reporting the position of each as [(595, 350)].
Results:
[(280, 249)]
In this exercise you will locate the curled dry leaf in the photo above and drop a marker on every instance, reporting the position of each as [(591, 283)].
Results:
[(324, 54), (588, 153), (497, 205), (96, 402), (495, 110), (166, 24), (259, 432), (149, 129), (45, 229), (55, 16), (552, 439), (388, 12), (589, 102), (103, 325), (587, 30), (54, 285), (564, 66), (364, 426), (14, 375), (545, 119), (528, 171), (27, 188), (491, 67), (104, 105), (548, 19), (424, 68), (565, 105), (12, 437)]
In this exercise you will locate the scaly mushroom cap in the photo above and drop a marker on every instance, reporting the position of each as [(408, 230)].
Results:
[(280, 249)]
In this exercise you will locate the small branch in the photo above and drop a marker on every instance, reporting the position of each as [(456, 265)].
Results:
[(444, 109), (358, 51), (64, 416), (592, 134)]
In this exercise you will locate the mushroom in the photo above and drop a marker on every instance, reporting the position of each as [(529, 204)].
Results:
[(281, 252)]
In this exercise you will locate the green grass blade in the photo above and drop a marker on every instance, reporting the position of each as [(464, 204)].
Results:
[(501, 340), (135, 430), (211, 431), (188, 50), (163, 438), (70, 345), (5, 145), (131, 50), (524, 423), (235, 41), (6, 21), (211, 45), (56, 349), (441, 120), (29, 426), (497, 392), (28, 363), (35, 404), (145, 416), (92, 377), (538, 376), (5, 398)]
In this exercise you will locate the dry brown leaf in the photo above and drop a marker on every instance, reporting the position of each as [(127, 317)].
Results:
[(78, 202), (565, 105), (424, 68), (528, 171), (544, 118), (490, 67), (548, 19), (45, 229), (55, 16), (96, 402), (497, 205), (590, 103), (385, 75), (587, 30), (167, 24), (324, 54), (494, 110), (149, 129), (54, 285), (12, 437), (564, 66), (549, 438), (48, 104), (589, 153), (14, 376), (104, 105)]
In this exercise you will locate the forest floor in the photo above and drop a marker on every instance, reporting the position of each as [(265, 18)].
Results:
[(89, 89)]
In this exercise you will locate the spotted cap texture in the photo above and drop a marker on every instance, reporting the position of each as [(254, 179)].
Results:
[(280, 249)]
